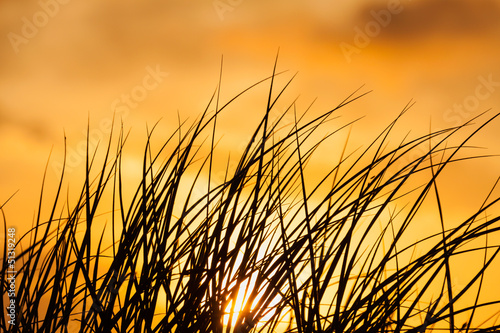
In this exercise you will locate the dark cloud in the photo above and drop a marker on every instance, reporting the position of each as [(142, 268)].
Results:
[(425, 18), (34, 128)]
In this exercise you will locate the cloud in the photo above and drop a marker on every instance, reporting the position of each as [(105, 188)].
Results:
[(34, 129), (427, 18)]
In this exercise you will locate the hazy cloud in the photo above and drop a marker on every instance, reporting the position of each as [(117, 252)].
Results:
[(426, 18)]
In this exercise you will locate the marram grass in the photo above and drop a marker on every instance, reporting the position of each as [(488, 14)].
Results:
[(264, 249)]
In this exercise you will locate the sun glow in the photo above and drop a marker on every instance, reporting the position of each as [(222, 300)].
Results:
[(259, 315), (232, 311)]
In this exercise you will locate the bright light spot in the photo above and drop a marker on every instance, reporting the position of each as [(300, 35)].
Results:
[(242, 299), (262, 309)]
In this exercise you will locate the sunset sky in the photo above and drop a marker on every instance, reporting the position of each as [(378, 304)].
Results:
[(63, 62)]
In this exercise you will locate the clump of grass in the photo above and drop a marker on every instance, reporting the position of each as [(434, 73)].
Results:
[(265, 250)]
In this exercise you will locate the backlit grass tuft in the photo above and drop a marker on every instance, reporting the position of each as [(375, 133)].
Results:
[(265, 249)]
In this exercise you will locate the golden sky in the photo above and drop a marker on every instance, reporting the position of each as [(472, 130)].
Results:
[(63, 61)]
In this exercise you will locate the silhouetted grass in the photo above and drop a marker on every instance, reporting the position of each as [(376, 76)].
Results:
[(326, 257)]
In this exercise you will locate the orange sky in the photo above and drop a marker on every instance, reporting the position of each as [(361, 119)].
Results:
[(64, 61)]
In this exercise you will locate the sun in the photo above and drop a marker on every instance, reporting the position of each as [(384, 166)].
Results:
[(237, 305), (232, 311)]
